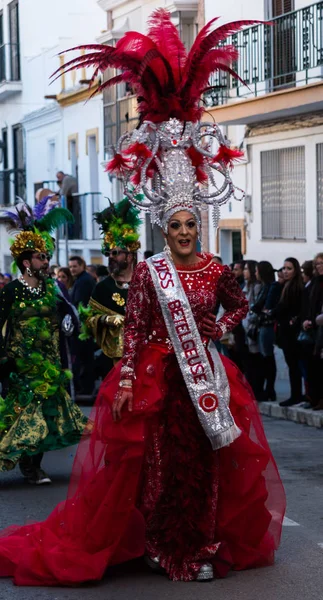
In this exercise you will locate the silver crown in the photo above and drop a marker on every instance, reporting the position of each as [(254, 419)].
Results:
[(174, 182)]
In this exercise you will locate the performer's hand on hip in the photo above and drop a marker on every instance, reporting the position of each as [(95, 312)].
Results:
[(210, 328), (124, 396)]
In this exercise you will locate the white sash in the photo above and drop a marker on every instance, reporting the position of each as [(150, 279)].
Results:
[(210, 393)]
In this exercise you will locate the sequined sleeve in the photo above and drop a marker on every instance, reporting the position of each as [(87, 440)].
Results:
[(137, 319), (233, 301)]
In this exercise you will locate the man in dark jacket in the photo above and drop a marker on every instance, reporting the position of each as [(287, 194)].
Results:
[(83, 368)]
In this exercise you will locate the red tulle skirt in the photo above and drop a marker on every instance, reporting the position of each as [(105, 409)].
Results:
[(151, 483)]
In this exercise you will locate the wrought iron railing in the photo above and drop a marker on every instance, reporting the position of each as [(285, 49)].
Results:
[(287, 53), (82, 206), (10, 62)]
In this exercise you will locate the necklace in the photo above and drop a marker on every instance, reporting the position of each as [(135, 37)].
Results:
[(122, 285), (36, 291)]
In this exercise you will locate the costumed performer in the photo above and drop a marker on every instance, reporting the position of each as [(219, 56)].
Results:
[(177, 466), (36, 414), (104, 316)]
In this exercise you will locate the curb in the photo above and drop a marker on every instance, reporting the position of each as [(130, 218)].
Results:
[(292, 413)]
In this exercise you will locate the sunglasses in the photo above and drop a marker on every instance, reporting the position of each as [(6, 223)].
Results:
[(109, 253), (42, 256)]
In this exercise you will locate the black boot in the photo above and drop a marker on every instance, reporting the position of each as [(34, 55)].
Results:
[(270, 376)]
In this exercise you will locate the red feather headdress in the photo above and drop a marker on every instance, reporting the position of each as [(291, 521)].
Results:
[(167, 80), (170, 155)]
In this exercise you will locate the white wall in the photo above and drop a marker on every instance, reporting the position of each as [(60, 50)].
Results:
[(277, 250)]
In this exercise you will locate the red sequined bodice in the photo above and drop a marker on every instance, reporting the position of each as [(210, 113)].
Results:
[(205, 283)]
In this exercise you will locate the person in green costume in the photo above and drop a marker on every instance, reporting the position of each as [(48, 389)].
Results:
[(103, 318), (36, 412)]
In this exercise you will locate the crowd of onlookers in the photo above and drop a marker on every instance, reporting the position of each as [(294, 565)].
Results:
[(285, 310)]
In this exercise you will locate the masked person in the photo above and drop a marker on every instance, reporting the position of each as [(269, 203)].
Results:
[(104, 316), (178, 466), (36, 413)]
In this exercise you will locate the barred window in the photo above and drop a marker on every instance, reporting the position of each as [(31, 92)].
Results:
[(319, 180), (283, 194)]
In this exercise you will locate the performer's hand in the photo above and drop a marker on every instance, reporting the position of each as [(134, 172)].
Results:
[(210, 327), (124, 396)]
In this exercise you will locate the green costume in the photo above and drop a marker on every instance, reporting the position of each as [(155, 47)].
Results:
[(37, 413)]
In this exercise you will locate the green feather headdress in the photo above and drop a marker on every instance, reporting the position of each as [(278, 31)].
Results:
[(41, 220), (119, 223)]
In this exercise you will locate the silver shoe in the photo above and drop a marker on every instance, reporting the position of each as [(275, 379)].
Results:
[(154, 564), (205, 573)]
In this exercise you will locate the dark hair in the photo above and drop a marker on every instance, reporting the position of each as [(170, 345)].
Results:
[(308, 268), (80, 261), (241, 263), (93, 268), (251, 264), (102, 271), (68, 274), (293, 289), (27, 255), (148, 254), (266, 272)]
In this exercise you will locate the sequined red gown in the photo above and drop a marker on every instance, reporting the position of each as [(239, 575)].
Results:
[(151, 483)]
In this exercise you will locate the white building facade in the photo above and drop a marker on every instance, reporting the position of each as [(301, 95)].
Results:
[(48, 127), (278, 121)]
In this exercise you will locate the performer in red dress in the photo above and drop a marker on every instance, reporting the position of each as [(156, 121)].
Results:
[(177, 467)]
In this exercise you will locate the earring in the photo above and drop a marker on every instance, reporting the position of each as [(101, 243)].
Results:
[(29, 272), (167, 251)]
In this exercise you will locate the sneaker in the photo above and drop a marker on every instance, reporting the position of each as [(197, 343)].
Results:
[(39, 477)]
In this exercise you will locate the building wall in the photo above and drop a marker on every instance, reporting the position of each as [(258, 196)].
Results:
[(45, 30), (277, 250)]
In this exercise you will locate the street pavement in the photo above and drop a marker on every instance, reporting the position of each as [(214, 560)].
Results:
[(296, 575)]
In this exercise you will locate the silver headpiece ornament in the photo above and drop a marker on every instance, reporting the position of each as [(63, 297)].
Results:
[(172, 164)]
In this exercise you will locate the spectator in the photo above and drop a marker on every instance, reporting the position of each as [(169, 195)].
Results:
[(280, 276), (288, 316), (237, 352), (65, 277), (83, 368), (2, 283), (102, 272), (315, 309), (7, 278), (53, 269), (253, 367), (238, 272), (93, 271), (217, 259), (68, 188), (265, 274)]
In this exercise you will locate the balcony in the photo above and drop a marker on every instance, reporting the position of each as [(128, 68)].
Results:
[(82, 206), (281, 66), (10, 76)]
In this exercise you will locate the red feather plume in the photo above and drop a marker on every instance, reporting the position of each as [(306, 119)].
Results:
[(167, 81), (228, 155), (118, 164)]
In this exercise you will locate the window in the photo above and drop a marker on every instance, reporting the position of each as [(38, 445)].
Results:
[(319, 181), (283, 194), (18, 161), (13, 12)]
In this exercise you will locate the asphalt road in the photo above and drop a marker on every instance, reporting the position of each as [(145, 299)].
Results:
[(296, 575)]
